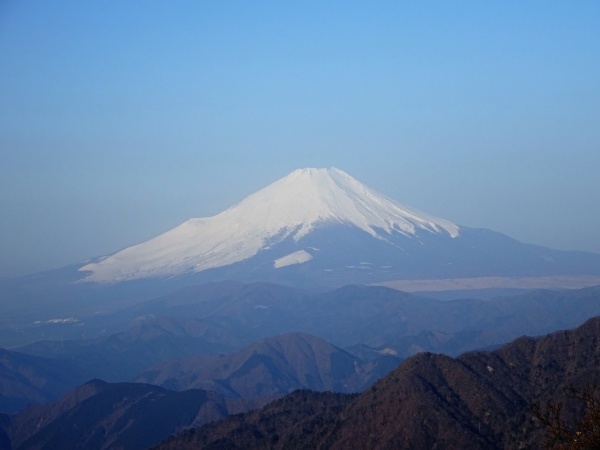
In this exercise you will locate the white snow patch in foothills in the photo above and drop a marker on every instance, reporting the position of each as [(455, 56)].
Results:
[(289, 207), (63, 321), (388, 351), (298, 257)]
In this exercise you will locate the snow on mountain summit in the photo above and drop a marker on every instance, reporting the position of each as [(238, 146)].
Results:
[(288, 208)]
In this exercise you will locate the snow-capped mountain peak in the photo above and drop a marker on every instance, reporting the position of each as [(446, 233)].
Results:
[(309, 196), (288, 208)]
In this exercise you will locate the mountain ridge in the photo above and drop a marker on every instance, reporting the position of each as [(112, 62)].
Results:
[(368, 322), (272, 367), (479, 400)]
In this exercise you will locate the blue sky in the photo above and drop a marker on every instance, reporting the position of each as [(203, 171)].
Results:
[(120, 120)]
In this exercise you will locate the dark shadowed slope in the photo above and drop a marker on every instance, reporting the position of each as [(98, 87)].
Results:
[(101, 415), (26, 379), (4, 437), (479, 400), (301, 420)]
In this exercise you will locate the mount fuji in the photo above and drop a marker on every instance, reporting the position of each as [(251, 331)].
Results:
[(322, 227)]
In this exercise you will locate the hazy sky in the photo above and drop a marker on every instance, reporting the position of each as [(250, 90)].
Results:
[(121, 119)]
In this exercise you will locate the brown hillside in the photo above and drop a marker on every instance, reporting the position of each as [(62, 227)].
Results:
[(478, 400)]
